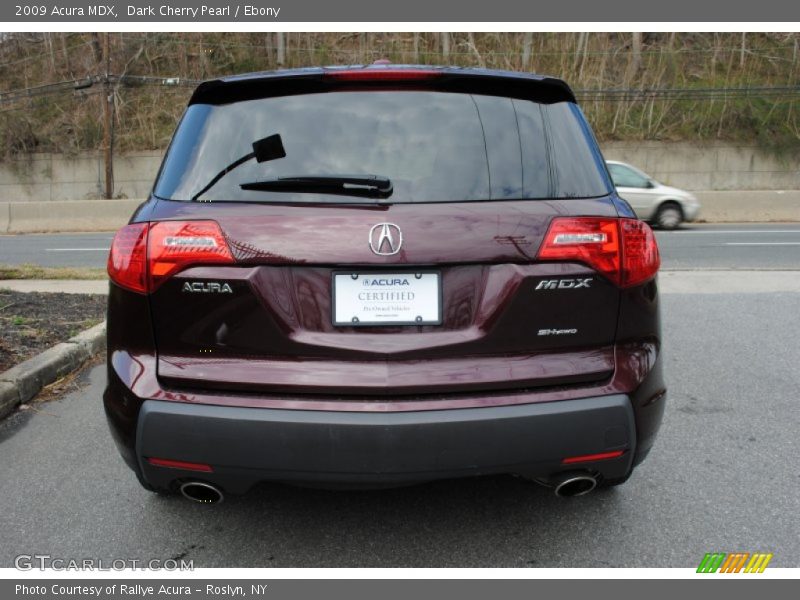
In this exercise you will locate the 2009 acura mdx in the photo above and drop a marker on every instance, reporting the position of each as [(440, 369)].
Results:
[(381, 275)]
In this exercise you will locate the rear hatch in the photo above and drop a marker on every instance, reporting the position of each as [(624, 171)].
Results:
[(383, 239)]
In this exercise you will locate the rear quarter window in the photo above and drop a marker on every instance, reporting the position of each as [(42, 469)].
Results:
[(579, 170)]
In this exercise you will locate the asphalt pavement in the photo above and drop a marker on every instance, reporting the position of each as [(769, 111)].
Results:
[(722, 476), (694, 246), (56, 249), (772, 246)]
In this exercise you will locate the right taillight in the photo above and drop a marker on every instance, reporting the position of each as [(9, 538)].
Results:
[(623, 250), (144, 255), (640, 258)]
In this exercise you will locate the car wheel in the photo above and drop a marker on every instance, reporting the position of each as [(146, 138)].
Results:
[(669, 216)]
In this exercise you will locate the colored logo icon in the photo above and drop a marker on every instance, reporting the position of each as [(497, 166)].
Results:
[(736, 562)]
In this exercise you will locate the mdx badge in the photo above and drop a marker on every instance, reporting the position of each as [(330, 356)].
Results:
[(563, 284), (206, 287)]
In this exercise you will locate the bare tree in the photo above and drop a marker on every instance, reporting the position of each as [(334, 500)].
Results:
[(744, 48), (48, 37), (66, 55), (280, 46), (579, 48), (96, 51), (474, 48), (527, 42), (636, 52)]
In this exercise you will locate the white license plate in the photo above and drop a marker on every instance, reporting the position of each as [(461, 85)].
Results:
[(387, 299)]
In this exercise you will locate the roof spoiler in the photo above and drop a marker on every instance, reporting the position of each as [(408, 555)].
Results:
[(268, 84)]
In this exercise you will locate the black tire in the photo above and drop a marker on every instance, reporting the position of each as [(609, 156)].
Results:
[(669, 216)]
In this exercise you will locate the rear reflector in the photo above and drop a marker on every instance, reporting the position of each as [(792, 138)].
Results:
[(623, 250), (180, 464), (144, 255), (592, 457), (368, 74)]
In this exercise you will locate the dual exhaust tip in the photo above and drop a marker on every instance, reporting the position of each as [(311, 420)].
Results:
[(201, 492), (570, 485)]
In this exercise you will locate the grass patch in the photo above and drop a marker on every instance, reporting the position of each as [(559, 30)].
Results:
[(31, 322), (37, 272)]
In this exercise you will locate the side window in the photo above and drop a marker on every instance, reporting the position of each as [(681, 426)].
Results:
[(577, 163), (502, 146), (533, 142), (625, 177)]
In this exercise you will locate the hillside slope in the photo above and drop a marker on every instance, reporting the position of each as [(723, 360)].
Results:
[(685, 86)]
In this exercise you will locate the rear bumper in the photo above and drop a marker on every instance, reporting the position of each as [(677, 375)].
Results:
[(245, 446)]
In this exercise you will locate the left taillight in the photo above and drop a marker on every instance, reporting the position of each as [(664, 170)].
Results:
[(175, 245), (127, 260), (144, 255)]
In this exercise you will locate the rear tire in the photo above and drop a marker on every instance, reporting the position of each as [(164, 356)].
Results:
[(669, 216)]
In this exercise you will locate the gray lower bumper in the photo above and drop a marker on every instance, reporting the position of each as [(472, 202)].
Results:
[(248, 445)]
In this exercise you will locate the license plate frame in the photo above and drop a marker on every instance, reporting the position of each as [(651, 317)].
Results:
[(419, 281)]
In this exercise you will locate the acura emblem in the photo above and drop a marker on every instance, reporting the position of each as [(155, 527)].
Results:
[(385, 239)]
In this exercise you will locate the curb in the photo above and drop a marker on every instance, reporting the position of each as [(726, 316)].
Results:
[(22, 382)]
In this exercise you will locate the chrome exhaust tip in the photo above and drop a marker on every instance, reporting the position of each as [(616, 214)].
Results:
[(201, 492), (569, 485)]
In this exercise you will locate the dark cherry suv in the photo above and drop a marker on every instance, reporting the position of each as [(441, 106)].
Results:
[(381, 275)]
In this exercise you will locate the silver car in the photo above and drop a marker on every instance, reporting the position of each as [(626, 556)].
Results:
[(655, 202)]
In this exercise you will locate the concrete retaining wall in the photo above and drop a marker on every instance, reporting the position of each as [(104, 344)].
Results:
[(55, 177), (48, 192), (719, 167), (754, 206), (62, 215)]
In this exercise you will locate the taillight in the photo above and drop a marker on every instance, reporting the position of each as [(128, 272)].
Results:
[(640, 258), (623, 250), (367, 74), (175, 245), (127, 260), (144, 255), (594, 242)]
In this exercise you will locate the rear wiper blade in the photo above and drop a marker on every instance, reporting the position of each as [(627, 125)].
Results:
[(265, 149), (368, 186)]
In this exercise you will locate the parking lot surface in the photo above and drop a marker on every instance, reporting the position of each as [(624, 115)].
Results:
[(722, 476)]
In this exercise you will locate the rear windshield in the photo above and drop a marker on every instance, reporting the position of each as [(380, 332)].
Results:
[(432, 146)]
